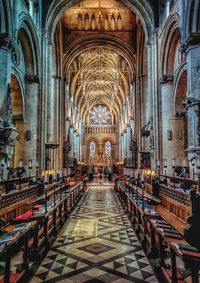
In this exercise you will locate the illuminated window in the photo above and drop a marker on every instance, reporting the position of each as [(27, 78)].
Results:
[(108, 148), (100, 115), (92, 148)]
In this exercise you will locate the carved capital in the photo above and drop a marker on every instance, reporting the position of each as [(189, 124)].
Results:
[(56, 77), (166, 78), (8, 43), (32, 78), (192, 39), (191, 102)]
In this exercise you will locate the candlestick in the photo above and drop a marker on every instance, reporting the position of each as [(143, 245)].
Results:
[(30, 163), (45, 178), (142, 175), (20, 163)]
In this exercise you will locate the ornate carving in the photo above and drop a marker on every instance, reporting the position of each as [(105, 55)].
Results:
[(166, 78), (99, 77), (145, 131), (192, 39), (32, 78), (99, 20), (8, 43)]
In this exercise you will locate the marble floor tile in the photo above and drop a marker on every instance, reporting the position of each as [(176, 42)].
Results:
[(96, 245)]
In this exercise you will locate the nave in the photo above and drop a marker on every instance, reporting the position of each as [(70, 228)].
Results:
[(97, 244)]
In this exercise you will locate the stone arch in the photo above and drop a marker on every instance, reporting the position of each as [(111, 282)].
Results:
[(180, 89), (192, 22), (18, 95), (169, 43), (18, 117), (109, 138), (27, 37), (6, 19), (92, 42), (142, 9)]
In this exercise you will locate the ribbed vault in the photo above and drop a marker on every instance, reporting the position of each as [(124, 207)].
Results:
[(99, 76)]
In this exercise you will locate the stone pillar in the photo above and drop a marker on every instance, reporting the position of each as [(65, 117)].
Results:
[(9, 52), (172, 146), (193, 117), (78, 147), (50, 94), (192, 49), (193, 62), (70, 154), (122, 147), (30, 139)]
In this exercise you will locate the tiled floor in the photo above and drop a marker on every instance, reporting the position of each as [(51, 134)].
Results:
[(97, 245)]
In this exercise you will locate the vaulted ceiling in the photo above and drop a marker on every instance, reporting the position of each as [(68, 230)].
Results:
[(99, 73), (99, 76)]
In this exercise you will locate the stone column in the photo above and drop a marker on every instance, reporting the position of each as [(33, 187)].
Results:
[(193, 61), (30, 147), (172, 146), (50, 94), (71, 142), (9, 52), (193, 117), (78, 147)]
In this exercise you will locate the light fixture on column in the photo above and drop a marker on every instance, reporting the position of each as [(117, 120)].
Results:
[(158, 168), (193, 165), (165, 167), (169, 135), (2, 169), (30, 167)]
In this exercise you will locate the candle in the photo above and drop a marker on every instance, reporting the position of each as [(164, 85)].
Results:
[(184, 163), (142, 176), (37, 164), (30, 163), (20, 163), (158, 163), (45, 178), (173, 162), (165, 162)]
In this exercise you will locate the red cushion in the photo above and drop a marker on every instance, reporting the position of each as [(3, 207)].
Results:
[(13, 277), (179, 275), (50, 221), (23, 217), (37, 206)]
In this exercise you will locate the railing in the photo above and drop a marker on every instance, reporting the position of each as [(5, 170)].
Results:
[(100, 129)]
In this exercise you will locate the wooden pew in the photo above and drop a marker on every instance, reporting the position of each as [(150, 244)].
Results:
[(6, 251)]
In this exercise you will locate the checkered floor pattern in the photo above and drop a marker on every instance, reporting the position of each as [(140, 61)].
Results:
[(114, 255)]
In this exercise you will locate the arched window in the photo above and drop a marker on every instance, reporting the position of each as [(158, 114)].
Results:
[(108, 148), (92, 148)]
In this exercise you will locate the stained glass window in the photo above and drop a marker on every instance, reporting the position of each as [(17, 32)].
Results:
[(108, 148), (92, 148), (100, 115)]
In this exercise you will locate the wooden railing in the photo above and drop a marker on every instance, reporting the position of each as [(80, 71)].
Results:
[(100, 129)]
